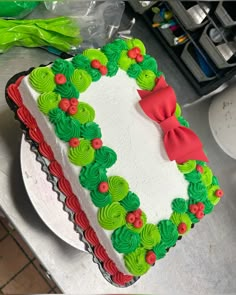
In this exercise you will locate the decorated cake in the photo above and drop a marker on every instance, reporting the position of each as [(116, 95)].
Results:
[(134, 175)]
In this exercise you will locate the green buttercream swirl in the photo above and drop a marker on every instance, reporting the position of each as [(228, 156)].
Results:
[(56, 115), (160, 250), (187, 167), (67, 90), (83, 154), (97, 54), (146, 80), (149, 63), (112, 68), (42, 79), (215, 180), (193, 217), (91, 175), (48, 101), (136, 262), (131, 43), (81, 62), (62, 66), (179, 205), (106, 157), (208, 206), (120, 44), (85, 113), (135, 229), (178, 111), (183, 122), (211, 194), (131, 202), (67, 128), (124, 61), (81, 79), (134, 71), (118, 188), (124, 240), (95, 74), (169, 232), (197, 191), (112, 52), (111, 216), (207, 176), (150, 236), (100, 199), (193, 176), (90, 130), (178, 218)]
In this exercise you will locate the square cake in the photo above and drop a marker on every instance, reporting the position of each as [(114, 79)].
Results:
[(133, 173)]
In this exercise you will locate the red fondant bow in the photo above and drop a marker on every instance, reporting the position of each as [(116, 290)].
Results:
[(180, 142)]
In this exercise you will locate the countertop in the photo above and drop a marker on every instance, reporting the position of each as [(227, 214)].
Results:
[(203, 262)]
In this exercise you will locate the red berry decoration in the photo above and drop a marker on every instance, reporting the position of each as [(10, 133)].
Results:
[(103, 187), (193, 208), (150, 257), (72, 110), (130, 218), (201, 206), (137, 50), (74, 142), (219, 193), (200, 214), (60, 79), (138, 223), (182, 228), (199, 168), (64, 104), (137, 213), (139, 58), (96, 143), (132, 53), (74, 101), (103, 70), (95, 64)]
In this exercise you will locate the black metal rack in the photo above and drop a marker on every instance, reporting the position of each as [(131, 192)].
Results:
[(198, 56)]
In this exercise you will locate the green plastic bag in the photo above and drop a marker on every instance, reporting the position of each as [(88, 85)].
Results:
[(16, 9)]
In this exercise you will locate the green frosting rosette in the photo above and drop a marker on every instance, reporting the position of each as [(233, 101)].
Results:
[(124, 240), (150, 236), (208, 206), (183, 122), (118, 188), (187, 167), (131, 202), (81, 79), (91, 175), (136, 262), (56, 115), (42, 79), (146, 80), (179, 205), (169, 232), (149, 63), (67, 128), (112, 68), (211, 194), (62, 66), (124, 61), (81, 62), (131, 43), (134, 71), (97, 54), (193, 176), (160, 250), (106, 157), (178, 218), (100, 199), (112, 216), (207, 176), (67, 90), (90, 130), (83, 154), (48, 101), (197, 191), (85, 113)]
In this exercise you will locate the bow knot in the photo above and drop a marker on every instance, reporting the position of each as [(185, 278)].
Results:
[(180, 142)]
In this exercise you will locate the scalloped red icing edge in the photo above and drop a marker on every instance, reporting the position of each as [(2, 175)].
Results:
[(64, 186)]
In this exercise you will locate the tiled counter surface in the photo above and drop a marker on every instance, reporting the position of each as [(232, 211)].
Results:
[(203, 262)]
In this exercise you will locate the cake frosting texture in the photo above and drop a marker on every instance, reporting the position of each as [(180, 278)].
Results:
[(138, 200)]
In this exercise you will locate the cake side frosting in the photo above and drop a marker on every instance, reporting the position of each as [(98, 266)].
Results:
[(146, 240)]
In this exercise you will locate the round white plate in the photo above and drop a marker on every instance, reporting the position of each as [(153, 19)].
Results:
[(44, 199)]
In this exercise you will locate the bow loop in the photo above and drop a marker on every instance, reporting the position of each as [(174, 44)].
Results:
[(181, 143)]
